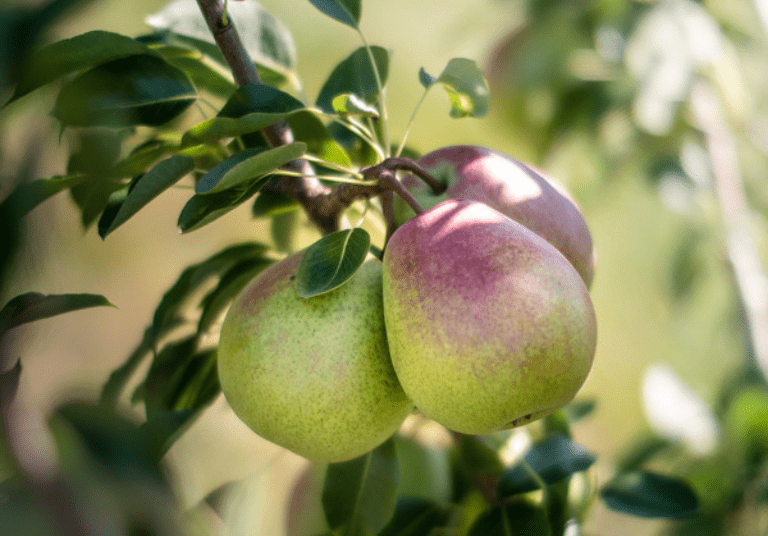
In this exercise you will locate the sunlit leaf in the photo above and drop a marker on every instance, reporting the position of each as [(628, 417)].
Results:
[(75, 54), (242, 168), (553, 459), (352, 105), (214, 129), (355, 76), (360, 494), (307, 127), (467, 88), (146, 188), (137, 90), (33, 306), (331, 261), (345, 11), (259, 98), (647, 494)]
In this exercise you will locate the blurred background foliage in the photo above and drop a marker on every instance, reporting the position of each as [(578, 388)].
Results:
[(652, 113)]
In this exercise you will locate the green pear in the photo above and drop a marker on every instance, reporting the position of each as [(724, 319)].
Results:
[(489, 326), (312, 375), (511, 187)]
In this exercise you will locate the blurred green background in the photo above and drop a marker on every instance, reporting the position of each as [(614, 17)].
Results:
[(598, 95)]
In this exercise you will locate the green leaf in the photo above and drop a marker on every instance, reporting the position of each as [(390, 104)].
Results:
[(269, 204), (241, 169), (216, 128), (259, 98), (415, 516), (647, 494), (164, 428), (267, 40), (283, 230), (204, 76), (28, 195), (579, 409), (512, 518), (145, 189), (232, 282), (307, 127), (425, 471), (553, 459), (201, 210), (181, 377), (75, 54), (354, 76), (33, 306), (137, 90), (345, 11), (346, 104), (331, 261), (426, 79), (477, 457), (9, 384), (360, 494), (467, 88)]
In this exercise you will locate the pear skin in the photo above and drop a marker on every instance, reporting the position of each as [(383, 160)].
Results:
[(312, 375), (511, 187), (489, 325)]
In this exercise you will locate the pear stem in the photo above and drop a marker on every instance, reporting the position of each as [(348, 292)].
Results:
[(388, 182), (406, 164)]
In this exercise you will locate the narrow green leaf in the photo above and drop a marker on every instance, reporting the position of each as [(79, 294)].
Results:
[(137, 90), (216, 128), (415, 516), (119, 377), (647, 494), (346, 104), (33, 306), (232, 282), (354, 76), (467, 88), (75, 54), (269, 204), (553, 459), (345, 11), (331, 261), (28, 195), (512, 518), (201, 210), (145, 189), (241, 169), (164, 428), (259, 98), (579, 409), (307, 127), (267, 40), (361, 494)]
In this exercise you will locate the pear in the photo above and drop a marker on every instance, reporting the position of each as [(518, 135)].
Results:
[(489, 326), (312, 375), (511, 187)]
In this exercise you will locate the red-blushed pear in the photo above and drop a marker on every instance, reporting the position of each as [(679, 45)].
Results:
[(312, 375), (511, 187), (489, 326)]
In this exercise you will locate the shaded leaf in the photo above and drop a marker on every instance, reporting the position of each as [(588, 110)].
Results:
[(647, 494), (578, 409), (282, 229), (553, 459), (477, 457), (35, 306), (360, 494), (137, 90), (354, 76), (415, 517), (201, 210), (344, 11), (426, 79), (214, 129), (239, 170), (267, 40), (75, 54), (232, 282), (145, 189), (259, 98), (204, 76), (269, 204), (467, 88), (164, 428), (28, 195), (425, 470), (331, 261), (92, 198), (513, 518)]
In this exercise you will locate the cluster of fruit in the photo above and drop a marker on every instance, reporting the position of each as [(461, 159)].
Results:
[(479, 316)]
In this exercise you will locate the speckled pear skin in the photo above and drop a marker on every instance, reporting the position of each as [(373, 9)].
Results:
[(511, 187), (489, 326), (312, 375)]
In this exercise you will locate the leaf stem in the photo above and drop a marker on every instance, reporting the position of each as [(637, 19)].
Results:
[(383, 117), (411, 121)]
